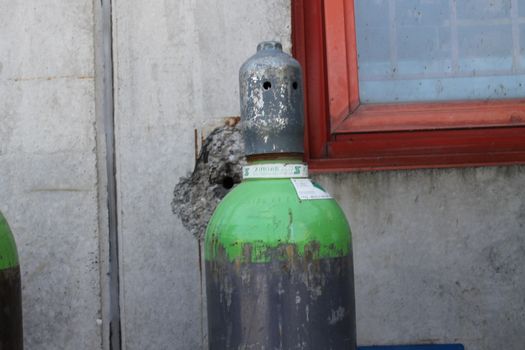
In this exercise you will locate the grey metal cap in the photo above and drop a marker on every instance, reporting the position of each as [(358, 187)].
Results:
[(271, 91)]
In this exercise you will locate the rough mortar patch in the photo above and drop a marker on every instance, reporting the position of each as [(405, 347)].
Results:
[(218, 166)]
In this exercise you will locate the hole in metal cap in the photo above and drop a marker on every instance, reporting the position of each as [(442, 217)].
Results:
[(267, 85), (294, 85)]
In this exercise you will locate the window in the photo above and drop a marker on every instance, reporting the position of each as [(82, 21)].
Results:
[(440, 82)]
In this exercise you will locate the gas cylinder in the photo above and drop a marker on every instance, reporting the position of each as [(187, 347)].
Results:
[(10, 291), (278, 248)]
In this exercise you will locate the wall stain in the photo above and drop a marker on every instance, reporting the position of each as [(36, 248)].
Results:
[(62, 77), (33, 190)]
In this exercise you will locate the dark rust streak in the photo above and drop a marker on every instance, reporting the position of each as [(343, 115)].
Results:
[(200, 257), (196, 136)]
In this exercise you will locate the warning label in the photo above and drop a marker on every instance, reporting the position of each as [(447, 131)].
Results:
[(307, 190), (268, 171)]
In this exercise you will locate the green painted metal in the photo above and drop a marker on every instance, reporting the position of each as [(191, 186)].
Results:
[(260, 217), (8, 252)]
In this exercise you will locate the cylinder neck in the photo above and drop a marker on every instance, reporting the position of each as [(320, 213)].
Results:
[(295, 158)]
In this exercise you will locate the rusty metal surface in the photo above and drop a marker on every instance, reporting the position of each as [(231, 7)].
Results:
[(11, 334), (271, 94), (299, 302)]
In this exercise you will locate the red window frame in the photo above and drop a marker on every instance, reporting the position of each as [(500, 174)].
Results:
[(343, 135)]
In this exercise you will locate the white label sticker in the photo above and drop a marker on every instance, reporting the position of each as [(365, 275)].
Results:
[(267, 171), (306, 190)]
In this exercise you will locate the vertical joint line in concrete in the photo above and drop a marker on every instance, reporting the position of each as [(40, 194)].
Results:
[(109, 129)]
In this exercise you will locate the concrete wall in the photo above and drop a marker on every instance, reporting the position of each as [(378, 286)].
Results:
[(48, 167), (438, 253), (176, 70)]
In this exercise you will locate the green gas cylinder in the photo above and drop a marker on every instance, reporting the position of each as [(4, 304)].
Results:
[(278, 248), (10, 291)]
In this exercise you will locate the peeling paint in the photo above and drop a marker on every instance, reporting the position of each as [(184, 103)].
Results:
[(271, 101), (337, 315)]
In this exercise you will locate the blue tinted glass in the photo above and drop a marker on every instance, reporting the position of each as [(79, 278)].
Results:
[(437, 50)]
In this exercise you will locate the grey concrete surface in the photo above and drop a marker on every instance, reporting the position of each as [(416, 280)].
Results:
[(48, 176), (439, 255), (176, 70)]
